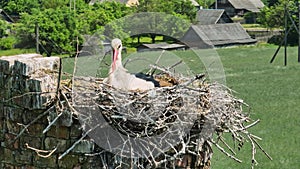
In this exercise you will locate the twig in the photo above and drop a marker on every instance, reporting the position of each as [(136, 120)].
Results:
[(226, 153), (68, 103), (197, 77), (41, 151), (75, 65), (59, 76), (156, 62), (33, 121), (249, 126), (176, 64), (223, 141), (96, 154), (52, 122), (25, 94), (260, 147), (68, 89), (254, 162), (77, 142), (162, 69)]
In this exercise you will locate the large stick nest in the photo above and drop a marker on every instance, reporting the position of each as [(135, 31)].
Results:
[(189, 111), (144, 114)]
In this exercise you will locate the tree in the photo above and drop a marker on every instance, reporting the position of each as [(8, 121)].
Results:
[(273, 17), (100, 14), (205, 3), (15, 7), (61, 24), (7, 41), (53, 3), (272, 2), (4, 26), (57, 28), (182, 9)]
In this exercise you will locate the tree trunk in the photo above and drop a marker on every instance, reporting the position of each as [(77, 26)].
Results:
[(153, 37)]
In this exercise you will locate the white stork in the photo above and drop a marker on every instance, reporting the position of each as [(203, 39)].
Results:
[(118, 76)]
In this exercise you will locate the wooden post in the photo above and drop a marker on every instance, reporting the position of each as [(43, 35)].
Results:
[(299, 32), (216, 4), (37, 36), (285, 34)]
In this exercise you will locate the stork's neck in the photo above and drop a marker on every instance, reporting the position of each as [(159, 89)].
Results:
[(117, 65), (119, 60)]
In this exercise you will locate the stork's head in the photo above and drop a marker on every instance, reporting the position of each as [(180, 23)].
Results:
[(116, 45)]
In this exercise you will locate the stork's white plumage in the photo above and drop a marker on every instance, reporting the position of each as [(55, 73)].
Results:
[(119, 77)]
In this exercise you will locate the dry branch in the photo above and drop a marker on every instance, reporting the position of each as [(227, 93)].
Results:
[(225, 152), (32, 122), (52, 123), (77, 142), (38, 151)]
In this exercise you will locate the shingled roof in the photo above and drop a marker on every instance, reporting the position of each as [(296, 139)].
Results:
[(127, 2), (161, 46), (250, 5), (207, 36), (5, 16), (212, 16), (195, 3)]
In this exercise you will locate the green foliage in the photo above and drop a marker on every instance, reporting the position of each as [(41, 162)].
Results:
[(273, 17), (57, 28), (60, 25), (97, 16), (181, 7), (18, 6), (61, 22), (205, 3), (53, 3), (4, 28), (250, 17), (272, 2), (7, 42), (182, 10)]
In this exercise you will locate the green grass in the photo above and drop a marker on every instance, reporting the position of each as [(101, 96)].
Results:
[(15, 52), (252, 26), (272, 91)]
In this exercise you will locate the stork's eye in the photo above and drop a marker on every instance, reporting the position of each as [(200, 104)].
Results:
[(119, 46)]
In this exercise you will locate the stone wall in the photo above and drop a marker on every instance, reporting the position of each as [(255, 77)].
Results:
[(28, 90), (263, 35)]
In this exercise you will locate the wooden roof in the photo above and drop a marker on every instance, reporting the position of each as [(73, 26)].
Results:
[(163, 46), (127, 2), (212, 16), (205, 36), (250, 5), (195, 3), (5, 16)]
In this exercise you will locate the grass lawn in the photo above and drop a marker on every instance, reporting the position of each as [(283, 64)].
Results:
[(272, 91), (15, 52)]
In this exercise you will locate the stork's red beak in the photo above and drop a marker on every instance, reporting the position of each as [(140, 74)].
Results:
[(115, 57)]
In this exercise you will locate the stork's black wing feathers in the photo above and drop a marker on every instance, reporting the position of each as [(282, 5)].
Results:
[(147, 78)]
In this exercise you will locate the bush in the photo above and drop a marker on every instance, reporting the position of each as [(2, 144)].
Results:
[(250, 17), (7, 42)]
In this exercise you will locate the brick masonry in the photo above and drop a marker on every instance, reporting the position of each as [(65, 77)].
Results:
[(28, 86)]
